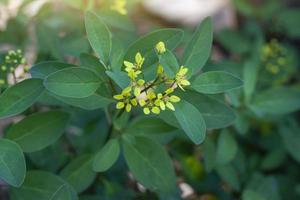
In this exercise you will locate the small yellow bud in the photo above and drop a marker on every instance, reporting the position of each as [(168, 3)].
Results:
[(169, 91), (118, 97), (160, 69), (160, 47), (146, 111), (128, 107), (120, 105), (139, 60), (155, 110), (142, 102), (126, 91), (141, 82), (185, 82), (137, 91), (162, 105), (174, 99), (182, 71), (170, 106), (119, 6), (129, 66), (133, 102)]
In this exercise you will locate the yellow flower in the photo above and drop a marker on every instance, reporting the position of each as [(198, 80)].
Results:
[(133, 74), (125, 99), (160, 47), (119, 6), (134, 69), (180, 78)]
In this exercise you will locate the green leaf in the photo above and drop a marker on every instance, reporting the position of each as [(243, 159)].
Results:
[(227, 148), (215, 113), (216, 82), (39, 130), (288, 20), (234, 41), (19, 97), (74, 82), (250, 72), (169, 61), (198, 49), (149, 125), (191, 121), (149, 163), (91, 62), (209, 153), (280, 100), (146, 44), (43, 69), (40, 185), (229, 175), (93, 102), (117, 54), (98, 35), (107, 156), (78, 173), (289, 131), (12, 163), (120, 78), (252, 195)]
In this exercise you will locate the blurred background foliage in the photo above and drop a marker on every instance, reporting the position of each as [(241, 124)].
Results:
[(257, 158)]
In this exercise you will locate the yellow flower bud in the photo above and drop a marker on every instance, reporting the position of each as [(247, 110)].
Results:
[(185, 82), (146, 111), (162, 105), (141, 82), (139, 60), (142, 102), (160, 69), (118, 97), (170, 106), (120, 105), (155, 110), (160, 47), (128, 107), (137, 91), (169, 91), (174, 99), (133, 102)]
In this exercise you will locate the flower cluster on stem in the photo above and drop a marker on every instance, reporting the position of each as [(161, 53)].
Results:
[(152, 96)]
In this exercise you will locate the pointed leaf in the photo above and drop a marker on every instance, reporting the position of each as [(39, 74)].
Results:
[(74, 82), (12, 163), (19, 97), (191, 121), (216, 82), (107, 156), (39, 130), (44, 186), (98, 35), (78, 173), (43, 69), (149, 163), (198, 49)]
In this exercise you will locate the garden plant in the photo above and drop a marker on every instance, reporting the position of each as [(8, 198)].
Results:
[(106, 113)]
